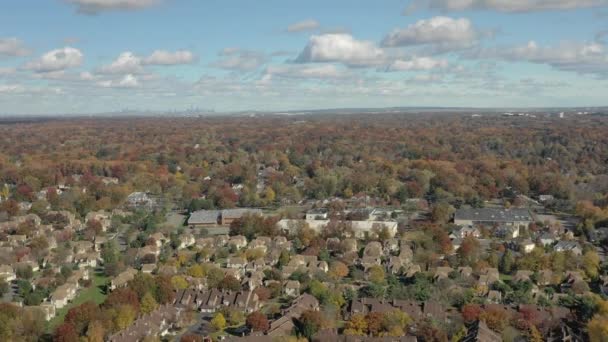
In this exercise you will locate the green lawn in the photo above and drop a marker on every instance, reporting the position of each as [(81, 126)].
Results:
[(94, 293), (505, 277)]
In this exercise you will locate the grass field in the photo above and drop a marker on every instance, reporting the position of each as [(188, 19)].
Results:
[(94, 293)]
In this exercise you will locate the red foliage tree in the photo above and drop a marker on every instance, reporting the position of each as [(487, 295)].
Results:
[(257, 321), (65, 333), (81, 315), (470, 312), (122, 296)]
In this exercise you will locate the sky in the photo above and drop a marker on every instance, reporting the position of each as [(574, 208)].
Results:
[(92, 56)]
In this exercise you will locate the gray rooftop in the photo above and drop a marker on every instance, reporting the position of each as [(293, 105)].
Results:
[(493, 215), (204, 217), (239, 212)]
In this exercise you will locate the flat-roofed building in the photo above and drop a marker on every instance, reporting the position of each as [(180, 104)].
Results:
[(493, 217)]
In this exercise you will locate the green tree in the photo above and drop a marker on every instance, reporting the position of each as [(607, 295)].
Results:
[(376, 274), (506, 262)]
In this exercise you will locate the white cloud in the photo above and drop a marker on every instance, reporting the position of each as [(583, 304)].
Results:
[(444, 32), (239, 59), (12, 47), (584, 58), (417, 64), (56, 60), (127, 81), (92, 7), (163, 57), (10, 88), (321, 71), (125, 63), (341, 47), (506, 5), (129, 63), (305, 25)]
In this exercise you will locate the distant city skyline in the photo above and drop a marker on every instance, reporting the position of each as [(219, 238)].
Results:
[(91, 56)]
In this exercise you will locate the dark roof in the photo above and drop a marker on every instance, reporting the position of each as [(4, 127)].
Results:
[(480, 332), (493, 215)]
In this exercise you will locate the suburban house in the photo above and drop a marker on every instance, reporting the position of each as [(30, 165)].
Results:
[(361, 229), (292, 288), (564, 245), (317, 214), (156, 323), (7, 273), (507, 232), (285, 324), (141, 200), (63, 294), (123, 278), (212, 300)]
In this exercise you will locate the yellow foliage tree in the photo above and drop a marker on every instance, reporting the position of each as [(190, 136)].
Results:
[(125, 316), (598, 328), (356, 326), (196, 271), (218, 321), (179, 282), (148, 303)]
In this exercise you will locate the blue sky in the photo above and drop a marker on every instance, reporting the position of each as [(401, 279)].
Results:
[(88, 56)]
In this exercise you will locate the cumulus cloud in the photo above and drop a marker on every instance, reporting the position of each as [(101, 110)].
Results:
[(56, 60), (163, 57), (508, 6), (127, 81), (584, 58), (417, 64), (240, 59), (310, 71), (125, 63), (342, 48), (305, 25), (129, 63), (12, 47), (92, 7), (443, 32)]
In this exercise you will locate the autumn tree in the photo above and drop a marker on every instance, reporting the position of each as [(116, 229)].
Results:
[(148, 303), (218, 322), (376, 274), (375, 321), (591, 264), (125, 316), (65, 333), (257, 321), (356, 325), (95, 331), (310, 322), (338, 269), (395, 323)]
